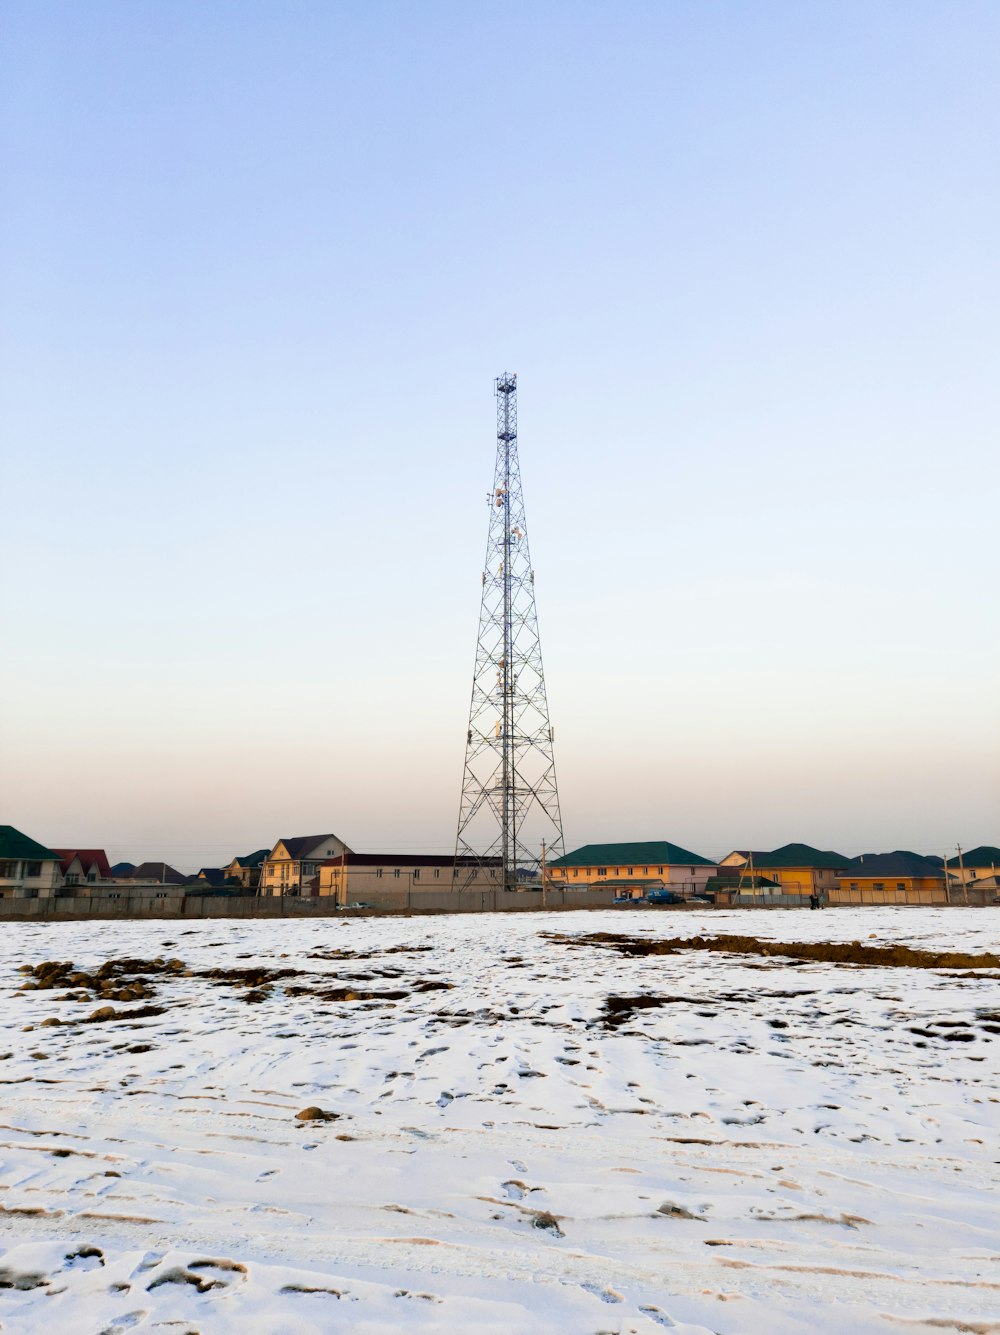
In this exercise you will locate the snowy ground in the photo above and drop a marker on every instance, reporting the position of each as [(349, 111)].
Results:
[(776, 1148)]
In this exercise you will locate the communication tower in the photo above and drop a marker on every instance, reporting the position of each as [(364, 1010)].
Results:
[(510, 802)]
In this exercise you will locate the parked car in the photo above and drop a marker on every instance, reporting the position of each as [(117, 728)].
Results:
[(665, 897)]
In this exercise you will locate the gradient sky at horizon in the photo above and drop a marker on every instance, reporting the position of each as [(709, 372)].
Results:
[(260, 264)]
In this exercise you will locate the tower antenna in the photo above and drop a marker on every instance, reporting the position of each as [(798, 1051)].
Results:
[(510, 801)]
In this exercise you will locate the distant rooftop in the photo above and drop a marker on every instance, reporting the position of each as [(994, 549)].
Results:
[(801, 855), (986, 855), (901, 862), (14, 845), (652, 852)]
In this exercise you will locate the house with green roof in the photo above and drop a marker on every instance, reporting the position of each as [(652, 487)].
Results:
[(978, 864), (245, 871), (28, 869), (792, 869), (631, 869)]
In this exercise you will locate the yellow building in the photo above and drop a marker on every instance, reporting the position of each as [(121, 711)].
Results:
[(292, 866), (631, 868), (891, 878), (976, 865), (795, 869), (247, 870)]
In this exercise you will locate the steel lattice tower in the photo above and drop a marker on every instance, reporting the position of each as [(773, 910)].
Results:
[(510, 802)]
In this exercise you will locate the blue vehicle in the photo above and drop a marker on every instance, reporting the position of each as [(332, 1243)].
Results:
[(665, 897)]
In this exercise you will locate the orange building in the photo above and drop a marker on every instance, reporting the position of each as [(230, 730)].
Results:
[(793, 869), (891, 878)]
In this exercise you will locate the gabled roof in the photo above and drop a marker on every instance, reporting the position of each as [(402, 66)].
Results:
[(983, 856), (898, 863), (213, 875), (14, 844), (652, 851), (801, 855), (123, 869), (91, 859), (158, 871), (254, 859), (303, 844)]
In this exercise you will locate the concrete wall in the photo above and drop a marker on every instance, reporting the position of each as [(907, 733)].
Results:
[(913, 892), (291, 906)]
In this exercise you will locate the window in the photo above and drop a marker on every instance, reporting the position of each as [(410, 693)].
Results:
[(854, 885), (693, 870), (91, 876), (31, 894), (659, 871), (8, 868), (114, 895), (73, 878), (602, 871), (629, 871), (437, 873), (645, 871), (395, 872), (416, 873), (308, 868), (900, 885), (878, 885), (160, 894), (378, 872), (34, 869)]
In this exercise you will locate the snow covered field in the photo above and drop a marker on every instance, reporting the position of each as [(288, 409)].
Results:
[(757, 1147)]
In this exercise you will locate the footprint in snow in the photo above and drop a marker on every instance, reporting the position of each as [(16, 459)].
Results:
[(123, 1323), (84, 1258), (605, 1295), (656, 1315)]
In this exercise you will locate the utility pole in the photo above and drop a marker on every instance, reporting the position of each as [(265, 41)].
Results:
[(544, 905), (509, 793), (961, 872)]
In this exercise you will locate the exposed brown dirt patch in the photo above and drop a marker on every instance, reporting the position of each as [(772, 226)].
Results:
[(128, 979), (827, 952), (103, 1014)]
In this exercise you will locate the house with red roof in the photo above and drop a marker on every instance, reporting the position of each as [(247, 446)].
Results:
[(83, 866)]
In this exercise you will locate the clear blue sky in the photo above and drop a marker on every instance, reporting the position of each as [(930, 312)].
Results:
[(260, 264)]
